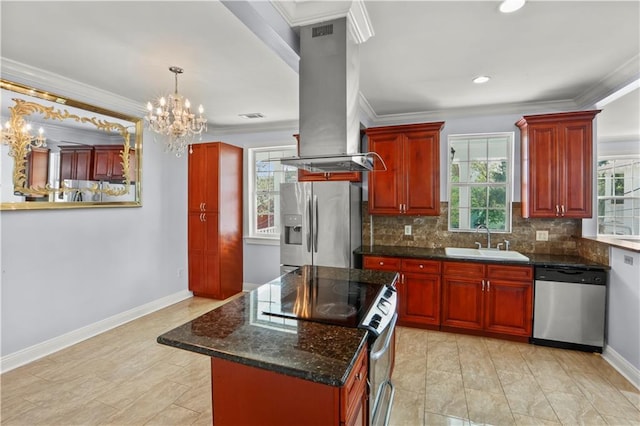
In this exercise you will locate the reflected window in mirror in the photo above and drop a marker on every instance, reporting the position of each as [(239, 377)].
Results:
[(61, 153)]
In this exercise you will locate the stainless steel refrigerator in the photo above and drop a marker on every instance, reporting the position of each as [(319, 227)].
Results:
[(321, 224)]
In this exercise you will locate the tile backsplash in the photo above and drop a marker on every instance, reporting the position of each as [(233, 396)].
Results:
[(431, 232)]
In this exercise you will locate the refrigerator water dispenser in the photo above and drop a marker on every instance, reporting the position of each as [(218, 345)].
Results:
[(293, 229)]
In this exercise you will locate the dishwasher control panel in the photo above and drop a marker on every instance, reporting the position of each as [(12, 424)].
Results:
[(571, 275)]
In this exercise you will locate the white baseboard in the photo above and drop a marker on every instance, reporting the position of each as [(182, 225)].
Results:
[(623, 366), (32, 353)]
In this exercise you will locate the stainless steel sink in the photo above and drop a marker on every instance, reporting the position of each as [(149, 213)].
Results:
[(492, 254)]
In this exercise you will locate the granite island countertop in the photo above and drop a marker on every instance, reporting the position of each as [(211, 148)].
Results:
[(535, 259), (240, 331)]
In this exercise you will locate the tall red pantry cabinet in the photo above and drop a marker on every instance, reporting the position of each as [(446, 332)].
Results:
[(215, 220)]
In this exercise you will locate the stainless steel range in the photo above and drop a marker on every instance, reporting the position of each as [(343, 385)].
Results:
[(349, 298)]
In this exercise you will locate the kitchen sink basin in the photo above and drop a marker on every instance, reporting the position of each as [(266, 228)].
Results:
[(493, 254)]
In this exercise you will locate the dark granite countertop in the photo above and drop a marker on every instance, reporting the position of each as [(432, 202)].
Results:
[(240, 331), (439, 254)]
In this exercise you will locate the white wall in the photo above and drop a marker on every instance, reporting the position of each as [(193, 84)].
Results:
[(623, 327), (65, 269)]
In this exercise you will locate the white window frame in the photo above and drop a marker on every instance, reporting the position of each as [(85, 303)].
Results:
[(508, 183), (624, 199), (251, 234)]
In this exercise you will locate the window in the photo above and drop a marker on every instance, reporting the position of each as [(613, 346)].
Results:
[(265, 177), (619, 196), (480, 176)]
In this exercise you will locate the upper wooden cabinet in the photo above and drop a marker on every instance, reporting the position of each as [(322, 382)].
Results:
[(411, 183), (306, 176), (107, 163), (557, 164), (76, 162), (215, 220)]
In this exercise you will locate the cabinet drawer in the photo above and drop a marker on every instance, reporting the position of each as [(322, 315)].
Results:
[(463, 268), (382, 263), (508, 272), (424, 266), (356, 383)]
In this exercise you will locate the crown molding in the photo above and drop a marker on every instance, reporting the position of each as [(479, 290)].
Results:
[(299, 13), (622, 76), (41, 79)]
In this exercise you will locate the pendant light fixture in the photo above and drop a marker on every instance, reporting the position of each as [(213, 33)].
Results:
[(172, 118)]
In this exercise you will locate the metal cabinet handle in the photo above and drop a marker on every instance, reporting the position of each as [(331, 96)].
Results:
[(562, 210), (421, 266), (557, 210), (381, 263), (309, 224), (488, 285), (359, 376), (204, 217), (482, 285), (316, 226)]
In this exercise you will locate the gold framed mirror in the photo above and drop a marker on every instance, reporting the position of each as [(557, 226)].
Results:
[(61, 153)]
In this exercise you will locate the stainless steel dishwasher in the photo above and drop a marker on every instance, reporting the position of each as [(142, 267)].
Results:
[(570, 308)]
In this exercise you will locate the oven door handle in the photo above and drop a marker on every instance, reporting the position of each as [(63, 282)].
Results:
[(392, 324)]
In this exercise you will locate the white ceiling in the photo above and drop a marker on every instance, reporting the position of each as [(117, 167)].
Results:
[(548, 56)]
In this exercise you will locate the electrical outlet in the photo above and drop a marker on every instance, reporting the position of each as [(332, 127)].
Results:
[(407, 230), (542, 235)]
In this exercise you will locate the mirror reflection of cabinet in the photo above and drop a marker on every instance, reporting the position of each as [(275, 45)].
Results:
[(75, 162), (38, 169), (107, 163)]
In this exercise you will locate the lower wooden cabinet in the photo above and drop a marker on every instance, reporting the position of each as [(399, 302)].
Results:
[(490, 298), (244, 395), (418, 289), (484, 298)]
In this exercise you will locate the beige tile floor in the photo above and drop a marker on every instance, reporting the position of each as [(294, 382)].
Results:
[(123, 377)]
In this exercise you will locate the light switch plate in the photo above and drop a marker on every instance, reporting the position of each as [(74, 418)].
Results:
[(542, 235), (407, 230)]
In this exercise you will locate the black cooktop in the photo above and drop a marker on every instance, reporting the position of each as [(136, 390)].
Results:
[(335, 296)]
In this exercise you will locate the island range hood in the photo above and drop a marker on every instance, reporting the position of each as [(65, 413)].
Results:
[(329, 85)]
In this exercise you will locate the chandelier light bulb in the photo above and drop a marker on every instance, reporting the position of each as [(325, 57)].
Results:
[(200, 109), (187, 104)]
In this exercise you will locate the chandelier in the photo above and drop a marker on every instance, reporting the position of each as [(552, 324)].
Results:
[(173, 118)]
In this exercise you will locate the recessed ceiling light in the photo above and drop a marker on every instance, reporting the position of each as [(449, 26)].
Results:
[(252, 115), (481, 79), (508, 6)]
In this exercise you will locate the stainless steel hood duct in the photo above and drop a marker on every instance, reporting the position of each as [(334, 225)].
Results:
[(329, 85)]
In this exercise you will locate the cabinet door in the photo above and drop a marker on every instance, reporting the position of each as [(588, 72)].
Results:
[(203, 253), (102, 164), (83, 164), (305, 176), (575, 189), (385, 187), (543, 170), (203, 177), (508, 307), (421, 166), (419, 299), (462, 302)]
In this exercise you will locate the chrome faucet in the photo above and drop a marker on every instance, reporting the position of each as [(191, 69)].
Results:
[(478, 228)]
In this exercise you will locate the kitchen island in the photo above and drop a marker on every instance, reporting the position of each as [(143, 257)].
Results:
[(275, 369)]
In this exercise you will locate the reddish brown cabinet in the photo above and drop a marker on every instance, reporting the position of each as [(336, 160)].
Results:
[(76, 162), (411, 183), (215, 220), (418, 289), (494, 299), (277, 399), (107, 163), (557, 169)]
